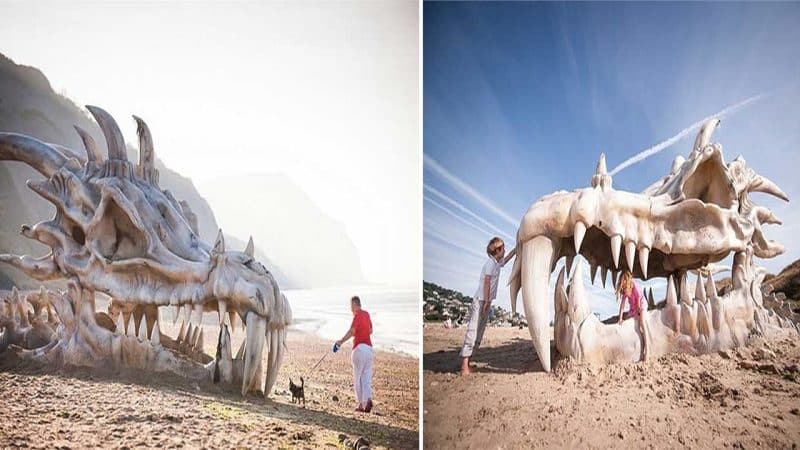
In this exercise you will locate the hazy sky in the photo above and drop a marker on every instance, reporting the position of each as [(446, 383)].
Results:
[(520, 99), (324, 92)]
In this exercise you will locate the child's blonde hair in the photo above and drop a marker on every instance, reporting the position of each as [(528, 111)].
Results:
[(492, 245), (625, 283)]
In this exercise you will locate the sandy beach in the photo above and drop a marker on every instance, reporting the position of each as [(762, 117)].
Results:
[(745, 398), (79, 409)]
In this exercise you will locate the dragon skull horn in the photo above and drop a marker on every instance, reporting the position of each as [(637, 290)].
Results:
[(114, 139), (93, 153), (704, 136), (40, 156), (763, 184), (146, 151)]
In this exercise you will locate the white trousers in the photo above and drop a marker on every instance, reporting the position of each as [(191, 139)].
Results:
[(362, 373)]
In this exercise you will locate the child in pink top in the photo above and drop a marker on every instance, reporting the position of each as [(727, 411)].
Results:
[(627, 291)]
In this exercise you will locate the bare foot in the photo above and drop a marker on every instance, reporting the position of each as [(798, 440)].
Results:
[(465, 367)]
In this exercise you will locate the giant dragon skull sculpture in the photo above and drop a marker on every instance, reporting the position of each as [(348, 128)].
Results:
[(116, 232), (695, 216)]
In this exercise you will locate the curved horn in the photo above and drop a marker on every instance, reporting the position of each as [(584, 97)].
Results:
[(146, 152), (765, 185), (33, 152), (93, 153), (704, 135), (114, 140)]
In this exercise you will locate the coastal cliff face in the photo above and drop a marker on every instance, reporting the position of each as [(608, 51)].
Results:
[(28, 105)]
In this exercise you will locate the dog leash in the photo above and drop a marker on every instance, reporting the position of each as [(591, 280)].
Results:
[(317, 364), (335, 349)]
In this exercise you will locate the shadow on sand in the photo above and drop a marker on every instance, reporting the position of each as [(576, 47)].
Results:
[(516, 356)]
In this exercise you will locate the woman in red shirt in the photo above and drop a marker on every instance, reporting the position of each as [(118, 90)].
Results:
[(360, 330)]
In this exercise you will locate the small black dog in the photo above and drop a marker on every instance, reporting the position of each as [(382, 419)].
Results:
[(298, 392)]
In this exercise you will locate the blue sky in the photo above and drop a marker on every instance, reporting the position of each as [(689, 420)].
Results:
[(520, 99)]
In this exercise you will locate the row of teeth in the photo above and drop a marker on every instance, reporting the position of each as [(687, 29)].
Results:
[(194, 314), (616, 248), (190, 338)]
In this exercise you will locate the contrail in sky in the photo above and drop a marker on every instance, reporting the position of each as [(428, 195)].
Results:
[(453, 214), (467, 211), (447, 240), (691, 128), (468, 190)]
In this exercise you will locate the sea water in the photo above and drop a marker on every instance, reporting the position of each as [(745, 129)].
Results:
[(326, 313)]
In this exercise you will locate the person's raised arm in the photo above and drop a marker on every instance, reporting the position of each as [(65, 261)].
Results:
[(347, 336), (509, 256)]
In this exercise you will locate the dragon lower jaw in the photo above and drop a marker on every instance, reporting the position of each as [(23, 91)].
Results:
[(693, 319), (135, 340)]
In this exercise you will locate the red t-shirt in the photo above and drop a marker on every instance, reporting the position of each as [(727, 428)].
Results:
[(362, 328)]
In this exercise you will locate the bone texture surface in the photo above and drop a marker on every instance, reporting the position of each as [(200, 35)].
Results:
[(115, 231), (697, 215)]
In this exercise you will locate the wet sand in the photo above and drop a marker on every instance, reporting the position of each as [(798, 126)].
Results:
[(80, 409), (745, 398)]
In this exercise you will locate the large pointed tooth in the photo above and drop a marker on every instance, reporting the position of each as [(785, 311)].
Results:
[(711, 287), (176, 311), (232, 317), (516, 284), (515, 281), (651, 302), (223, 311), (616, 246), (253, 353), (155, 335), (579, 233), (689, 319), (277, 346), (560, 294), (537, 259), (644, 256), (672, 294), (198, 344), (198, 314), (700, 290), (193, 339), (674, 313), (224, 357), (187, 338), (630, 254), (686, 291), (604, 275), (131, 327), (187, 312), (593, 270), (568, 263), (120, 325), (614, 279), (182, 333), (142, 329), (703, 322), (240, 352), (576, 298)]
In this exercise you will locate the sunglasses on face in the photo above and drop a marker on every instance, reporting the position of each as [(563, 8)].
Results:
[(497, 249)]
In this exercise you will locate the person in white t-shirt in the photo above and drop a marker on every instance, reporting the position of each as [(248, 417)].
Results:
[(487, 291)]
